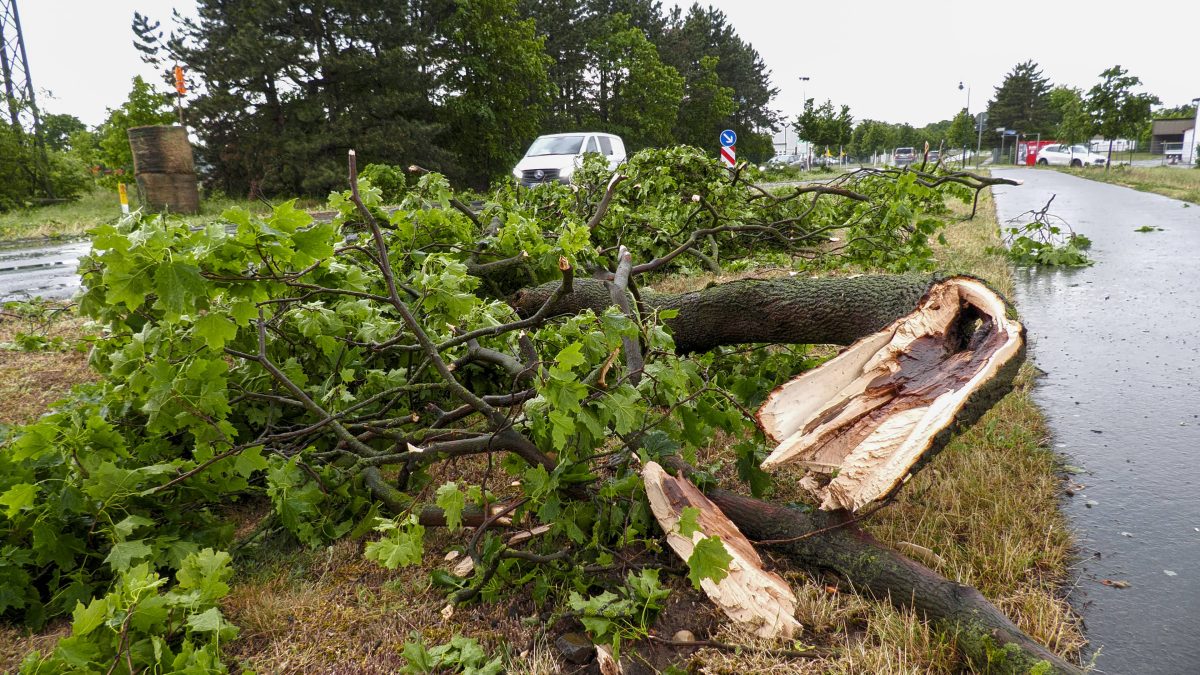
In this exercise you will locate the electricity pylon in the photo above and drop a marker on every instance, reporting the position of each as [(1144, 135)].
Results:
[(18, 92)]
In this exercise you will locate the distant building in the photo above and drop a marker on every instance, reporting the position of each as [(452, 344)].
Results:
[(1172, 136)]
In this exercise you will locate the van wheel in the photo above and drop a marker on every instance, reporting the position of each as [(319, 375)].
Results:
[(1043, 162)]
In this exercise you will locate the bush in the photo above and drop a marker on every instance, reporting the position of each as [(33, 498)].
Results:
[(391, 180)]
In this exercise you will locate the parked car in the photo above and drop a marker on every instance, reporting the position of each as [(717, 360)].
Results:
[(903, 156), (555, 157), (1069, 155)]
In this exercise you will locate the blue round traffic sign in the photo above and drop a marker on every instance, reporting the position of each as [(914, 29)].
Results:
[(728, 138)]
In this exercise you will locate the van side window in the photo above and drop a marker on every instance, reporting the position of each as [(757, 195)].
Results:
[(606, 145), (591, 146)]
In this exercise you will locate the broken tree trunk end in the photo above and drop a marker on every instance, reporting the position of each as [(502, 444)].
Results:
[(748, 593), (861, 422)]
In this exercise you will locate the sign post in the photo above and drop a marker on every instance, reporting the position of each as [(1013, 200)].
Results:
[(124, 198), (180, 91), (728, 151)]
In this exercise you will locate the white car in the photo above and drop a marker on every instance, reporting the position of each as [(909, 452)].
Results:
[(556, 157), (1069, 155)]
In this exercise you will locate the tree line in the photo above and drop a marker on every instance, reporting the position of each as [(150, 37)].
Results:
[(284, 88), (1024, 101)]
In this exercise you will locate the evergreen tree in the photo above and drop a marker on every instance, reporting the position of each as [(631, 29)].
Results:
[(1022, 102), (707, 32)]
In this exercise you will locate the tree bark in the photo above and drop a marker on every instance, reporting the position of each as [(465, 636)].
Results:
[(790, 310), (984, 635)]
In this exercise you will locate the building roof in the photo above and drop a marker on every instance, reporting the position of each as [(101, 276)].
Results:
[(1171, 126)]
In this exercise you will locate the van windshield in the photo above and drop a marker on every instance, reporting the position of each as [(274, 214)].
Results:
[(555, 145)]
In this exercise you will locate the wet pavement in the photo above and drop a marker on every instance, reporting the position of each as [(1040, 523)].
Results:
[(44, 270), (1120, 346)]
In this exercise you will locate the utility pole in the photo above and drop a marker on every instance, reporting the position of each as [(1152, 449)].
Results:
[(22, 107)]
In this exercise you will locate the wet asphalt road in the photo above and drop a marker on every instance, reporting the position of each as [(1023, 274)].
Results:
[(1120, 344), (46, 270)]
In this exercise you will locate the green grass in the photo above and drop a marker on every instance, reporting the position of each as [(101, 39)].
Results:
[(1171, 182), (100, 206)]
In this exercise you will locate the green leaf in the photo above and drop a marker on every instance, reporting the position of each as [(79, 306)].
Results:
[(214, 329), (87, 619), (180, 289), (400, 547), (452, 501), (250, 460), (709, 560), (243, 312), (570, 356), (689, 521), (18, 498), (206, 622), (123, 554)]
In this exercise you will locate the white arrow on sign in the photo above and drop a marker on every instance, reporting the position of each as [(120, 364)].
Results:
[(728, 138)]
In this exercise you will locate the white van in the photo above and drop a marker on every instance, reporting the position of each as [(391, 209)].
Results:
[(556, 157)]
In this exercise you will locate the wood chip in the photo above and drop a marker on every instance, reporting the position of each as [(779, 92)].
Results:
[(604, 659), (526, 535)]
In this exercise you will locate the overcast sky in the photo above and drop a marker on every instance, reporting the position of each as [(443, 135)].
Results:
[(887, 60)]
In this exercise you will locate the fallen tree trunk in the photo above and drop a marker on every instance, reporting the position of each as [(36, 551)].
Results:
[(984, 635), (791, 310)]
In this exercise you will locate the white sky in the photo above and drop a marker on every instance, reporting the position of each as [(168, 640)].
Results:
[(887, 59)]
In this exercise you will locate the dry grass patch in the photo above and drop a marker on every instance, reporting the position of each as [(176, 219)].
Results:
[(32, 380), (1167, 181)]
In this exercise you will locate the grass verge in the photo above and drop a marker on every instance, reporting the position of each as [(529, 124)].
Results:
[(987, 507), (1183, 184), (100, 206)]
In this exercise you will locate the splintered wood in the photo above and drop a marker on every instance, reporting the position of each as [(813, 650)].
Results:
[(862, 420), (749, 594)]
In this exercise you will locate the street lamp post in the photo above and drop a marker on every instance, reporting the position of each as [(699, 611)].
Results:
[(803, 104), (968, 111)]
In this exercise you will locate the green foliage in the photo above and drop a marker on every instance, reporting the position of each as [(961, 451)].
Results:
[(1042, 243), (460, 655), (144, 106), (391, 181), (823, 127), (456, 87), (625, 614), (20, 181), (498, 89), (643, 93), (402, 544), (1115, 109), (1075, 125), (139, 625)]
